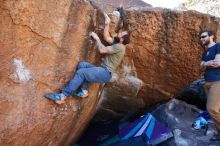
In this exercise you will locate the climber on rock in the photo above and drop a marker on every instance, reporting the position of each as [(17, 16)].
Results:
[(89, 73)]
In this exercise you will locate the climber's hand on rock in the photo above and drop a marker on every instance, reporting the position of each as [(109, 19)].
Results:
[(93, 35), (107, 19)]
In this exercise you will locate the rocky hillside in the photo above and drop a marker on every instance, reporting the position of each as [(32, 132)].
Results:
[(204, 6)]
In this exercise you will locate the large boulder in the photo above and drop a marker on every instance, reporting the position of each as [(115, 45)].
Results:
[(165, 50), (41, 45)]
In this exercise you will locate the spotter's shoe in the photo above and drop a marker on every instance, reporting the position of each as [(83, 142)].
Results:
[(200, 123)]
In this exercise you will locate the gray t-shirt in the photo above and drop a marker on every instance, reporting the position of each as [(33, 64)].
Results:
[(113, 60)]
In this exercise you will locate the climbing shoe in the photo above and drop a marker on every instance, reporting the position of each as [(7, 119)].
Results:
[(82, 93), (57, 97), (200, 123)]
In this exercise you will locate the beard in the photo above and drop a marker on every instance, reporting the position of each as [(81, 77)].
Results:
[(205, 43), (116, 40)]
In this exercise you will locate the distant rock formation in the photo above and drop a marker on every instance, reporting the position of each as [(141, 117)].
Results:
[(211, 7), (109, 5)]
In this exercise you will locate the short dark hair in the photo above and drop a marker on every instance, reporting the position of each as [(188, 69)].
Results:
[(126, 39), (210, 33)]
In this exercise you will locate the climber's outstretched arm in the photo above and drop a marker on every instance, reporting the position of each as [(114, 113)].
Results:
[(107, 35)]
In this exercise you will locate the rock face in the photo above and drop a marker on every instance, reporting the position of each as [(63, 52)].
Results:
[(165, 50), (42, 43)]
